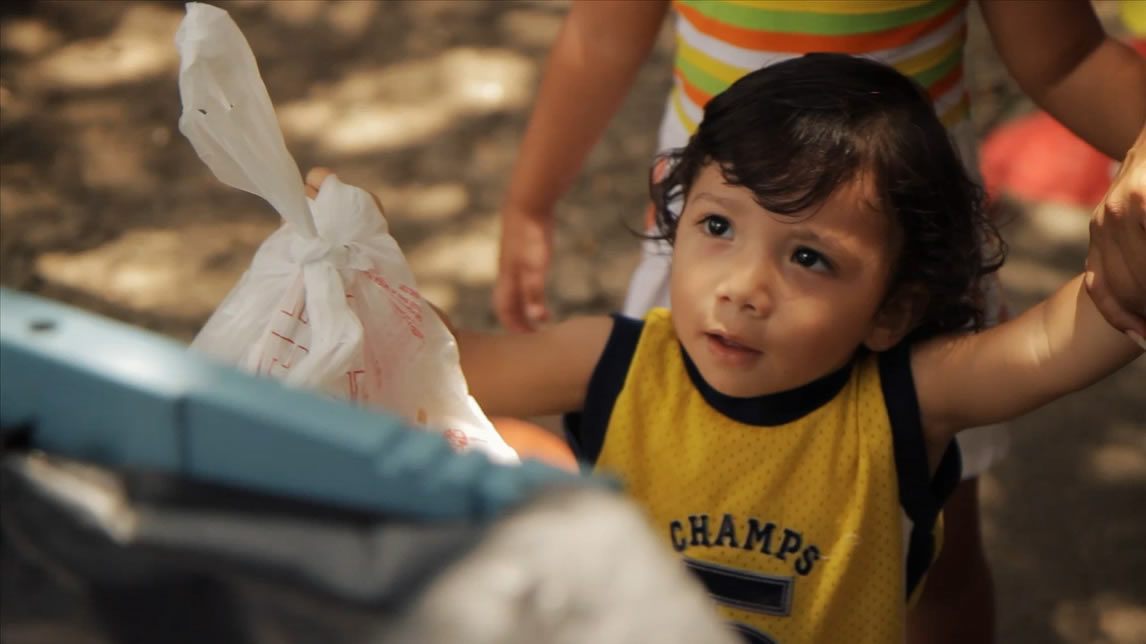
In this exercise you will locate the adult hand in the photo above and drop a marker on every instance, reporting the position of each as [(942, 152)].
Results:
[(1116, 262), (526, 249)]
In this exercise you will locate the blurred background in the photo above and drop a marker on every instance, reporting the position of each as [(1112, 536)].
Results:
[(104, 205)]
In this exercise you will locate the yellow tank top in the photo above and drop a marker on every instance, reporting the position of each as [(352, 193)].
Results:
[(1133, 14), (808, 514)]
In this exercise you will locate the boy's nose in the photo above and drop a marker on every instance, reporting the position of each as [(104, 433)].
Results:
[(747, 288)]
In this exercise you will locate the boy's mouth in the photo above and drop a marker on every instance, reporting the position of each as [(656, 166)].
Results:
[(728, 348)]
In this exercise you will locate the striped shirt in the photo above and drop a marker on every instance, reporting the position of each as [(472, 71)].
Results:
[(718, 41)]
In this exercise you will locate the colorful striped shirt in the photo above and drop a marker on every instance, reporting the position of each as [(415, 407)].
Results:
[(718, 41)]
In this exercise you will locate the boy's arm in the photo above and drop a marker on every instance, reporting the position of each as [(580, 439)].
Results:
[(533, 374), (591, 67), (1061, 56), (1061, 345)]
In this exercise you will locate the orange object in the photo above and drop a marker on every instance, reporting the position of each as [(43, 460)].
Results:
[(534, 442)]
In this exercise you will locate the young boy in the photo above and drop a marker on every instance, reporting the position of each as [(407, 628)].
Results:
[(1058, 52), (787, 426)]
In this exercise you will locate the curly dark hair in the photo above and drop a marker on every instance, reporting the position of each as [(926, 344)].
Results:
[(796, 131)]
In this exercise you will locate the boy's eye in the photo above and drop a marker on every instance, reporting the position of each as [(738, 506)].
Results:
[(811, 259), (717, 226)]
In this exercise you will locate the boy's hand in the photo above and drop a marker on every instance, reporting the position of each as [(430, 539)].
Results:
[(1116, 262), (313, 183), (314, 179), (526, 249)]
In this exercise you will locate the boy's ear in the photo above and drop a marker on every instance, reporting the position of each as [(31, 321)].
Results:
[(896, 318)]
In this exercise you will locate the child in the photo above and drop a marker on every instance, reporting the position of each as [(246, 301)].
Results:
[(1057, 52), (787, 425)]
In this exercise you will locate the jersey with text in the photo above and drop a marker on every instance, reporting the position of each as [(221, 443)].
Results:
[(809, 515)]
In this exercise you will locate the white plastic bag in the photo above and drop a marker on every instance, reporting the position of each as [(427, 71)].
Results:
[(328, 301)]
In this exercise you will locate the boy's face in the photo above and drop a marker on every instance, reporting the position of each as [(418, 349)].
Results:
[(763, 302)]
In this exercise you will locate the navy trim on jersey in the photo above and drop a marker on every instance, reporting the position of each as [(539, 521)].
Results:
[(771, 410), (743, 589), (585, 432), (920, 495), (751, 635)]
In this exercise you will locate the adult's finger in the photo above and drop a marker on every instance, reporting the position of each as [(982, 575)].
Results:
[(1131, 242), (1118, 278), (532, 284), (507, 302), (1109, 306)]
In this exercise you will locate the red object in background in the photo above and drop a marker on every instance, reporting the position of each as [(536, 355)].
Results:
[(1036, 158)]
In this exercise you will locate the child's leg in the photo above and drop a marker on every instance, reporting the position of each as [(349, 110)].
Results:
[(649, 285)]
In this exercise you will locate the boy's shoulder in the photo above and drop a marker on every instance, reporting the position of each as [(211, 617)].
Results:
[(653, 332)]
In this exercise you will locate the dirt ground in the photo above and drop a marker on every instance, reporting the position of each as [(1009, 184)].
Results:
[(103, 204)]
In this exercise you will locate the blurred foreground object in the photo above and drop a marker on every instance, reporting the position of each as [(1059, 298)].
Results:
[(169, 499)]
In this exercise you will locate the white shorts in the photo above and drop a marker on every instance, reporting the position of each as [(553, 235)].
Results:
[(980, 447)]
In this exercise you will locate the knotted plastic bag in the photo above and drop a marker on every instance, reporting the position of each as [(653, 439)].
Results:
[(328, 302)]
